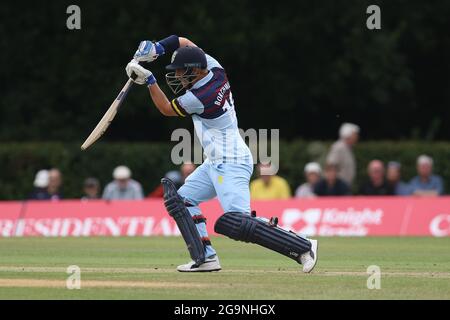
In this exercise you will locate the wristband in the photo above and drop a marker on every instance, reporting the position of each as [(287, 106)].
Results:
[(151, 80), (159, 48)]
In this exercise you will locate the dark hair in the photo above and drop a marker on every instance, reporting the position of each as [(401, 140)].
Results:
[(91, 182)]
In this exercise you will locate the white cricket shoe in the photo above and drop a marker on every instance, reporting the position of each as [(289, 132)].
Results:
[(210, 264), (309, 259)]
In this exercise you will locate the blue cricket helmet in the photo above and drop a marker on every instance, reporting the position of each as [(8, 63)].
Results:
[(188, 57), (185, 59)]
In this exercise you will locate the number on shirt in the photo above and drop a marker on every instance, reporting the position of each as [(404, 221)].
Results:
[(229, 103)]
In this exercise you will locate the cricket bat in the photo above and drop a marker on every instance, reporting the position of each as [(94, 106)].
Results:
[(108, 117)]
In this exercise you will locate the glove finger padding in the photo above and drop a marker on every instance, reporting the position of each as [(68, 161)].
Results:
[(146, 52), (137, 73)]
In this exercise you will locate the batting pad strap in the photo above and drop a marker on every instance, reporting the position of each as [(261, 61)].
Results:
[(178, 211), (243, 227), (206, 241), (199, 219)]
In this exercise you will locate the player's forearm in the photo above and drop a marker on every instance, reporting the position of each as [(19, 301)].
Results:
[(160, 100), (149, 51), (173, 42)]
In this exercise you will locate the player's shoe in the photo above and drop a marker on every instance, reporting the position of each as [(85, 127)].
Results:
[(211, 264), (309, 259)]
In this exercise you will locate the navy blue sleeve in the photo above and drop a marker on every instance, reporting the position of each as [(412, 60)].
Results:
[(170, 44)]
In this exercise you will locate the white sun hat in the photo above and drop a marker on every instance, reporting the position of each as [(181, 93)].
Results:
[(41, 180), (347, 129), (122, 173), (313, 167)]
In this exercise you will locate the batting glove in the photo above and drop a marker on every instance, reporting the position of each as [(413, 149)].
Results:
[(139, 74), (148, 51)]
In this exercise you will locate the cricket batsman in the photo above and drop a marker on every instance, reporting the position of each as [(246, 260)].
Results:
[(206, 97)]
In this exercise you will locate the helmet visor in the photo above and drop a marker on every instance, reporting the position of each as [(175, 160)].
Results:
[(182, 80)]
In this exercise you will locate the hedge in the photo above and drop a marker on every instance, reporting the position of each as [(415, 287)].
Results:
[(342, 70), (149, 161)]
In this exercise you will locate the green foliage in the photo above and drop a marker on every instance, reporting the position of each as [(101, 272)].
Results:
[(314, 59), (20, 162), (150, 161)]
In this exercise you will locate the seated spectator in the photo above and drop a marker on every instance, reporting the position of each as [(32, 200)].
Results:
[(426, 183), (269, 187), (331, 185), (123, 187), (312, 175), (91, 189), (178, 177), (40, 186), (376, 185), (341, 152), (54, 184), (393, 179)]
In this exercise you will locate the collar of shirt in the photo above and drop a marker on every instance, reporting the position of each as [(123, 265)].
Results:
[(344, 144), (203, 81), (430, 181)]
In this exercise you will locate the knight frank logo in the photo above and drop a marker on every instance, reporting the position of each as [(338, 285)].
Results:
[(440, 225), (331, 221)]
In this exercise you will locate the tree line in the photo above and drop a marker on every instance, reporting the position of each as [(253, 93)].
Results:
[(304, 67)]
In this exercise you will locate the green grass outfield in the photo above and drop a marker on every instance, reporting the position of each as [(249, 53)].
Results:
[(144, 268)]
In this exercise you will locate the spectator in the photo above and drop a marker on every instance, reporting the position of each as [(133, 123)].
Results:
[(173, 175), (40, 186), (376, 185), (123, 187), (341, 153), (91, 189), (331, 185), (269, 187), (54, 184), (312, 175), (393, 179), (426, 183)]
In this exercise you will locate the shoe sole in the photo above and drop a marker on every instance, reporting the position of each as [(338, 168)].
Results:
[(315, 249), (212, 270)]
